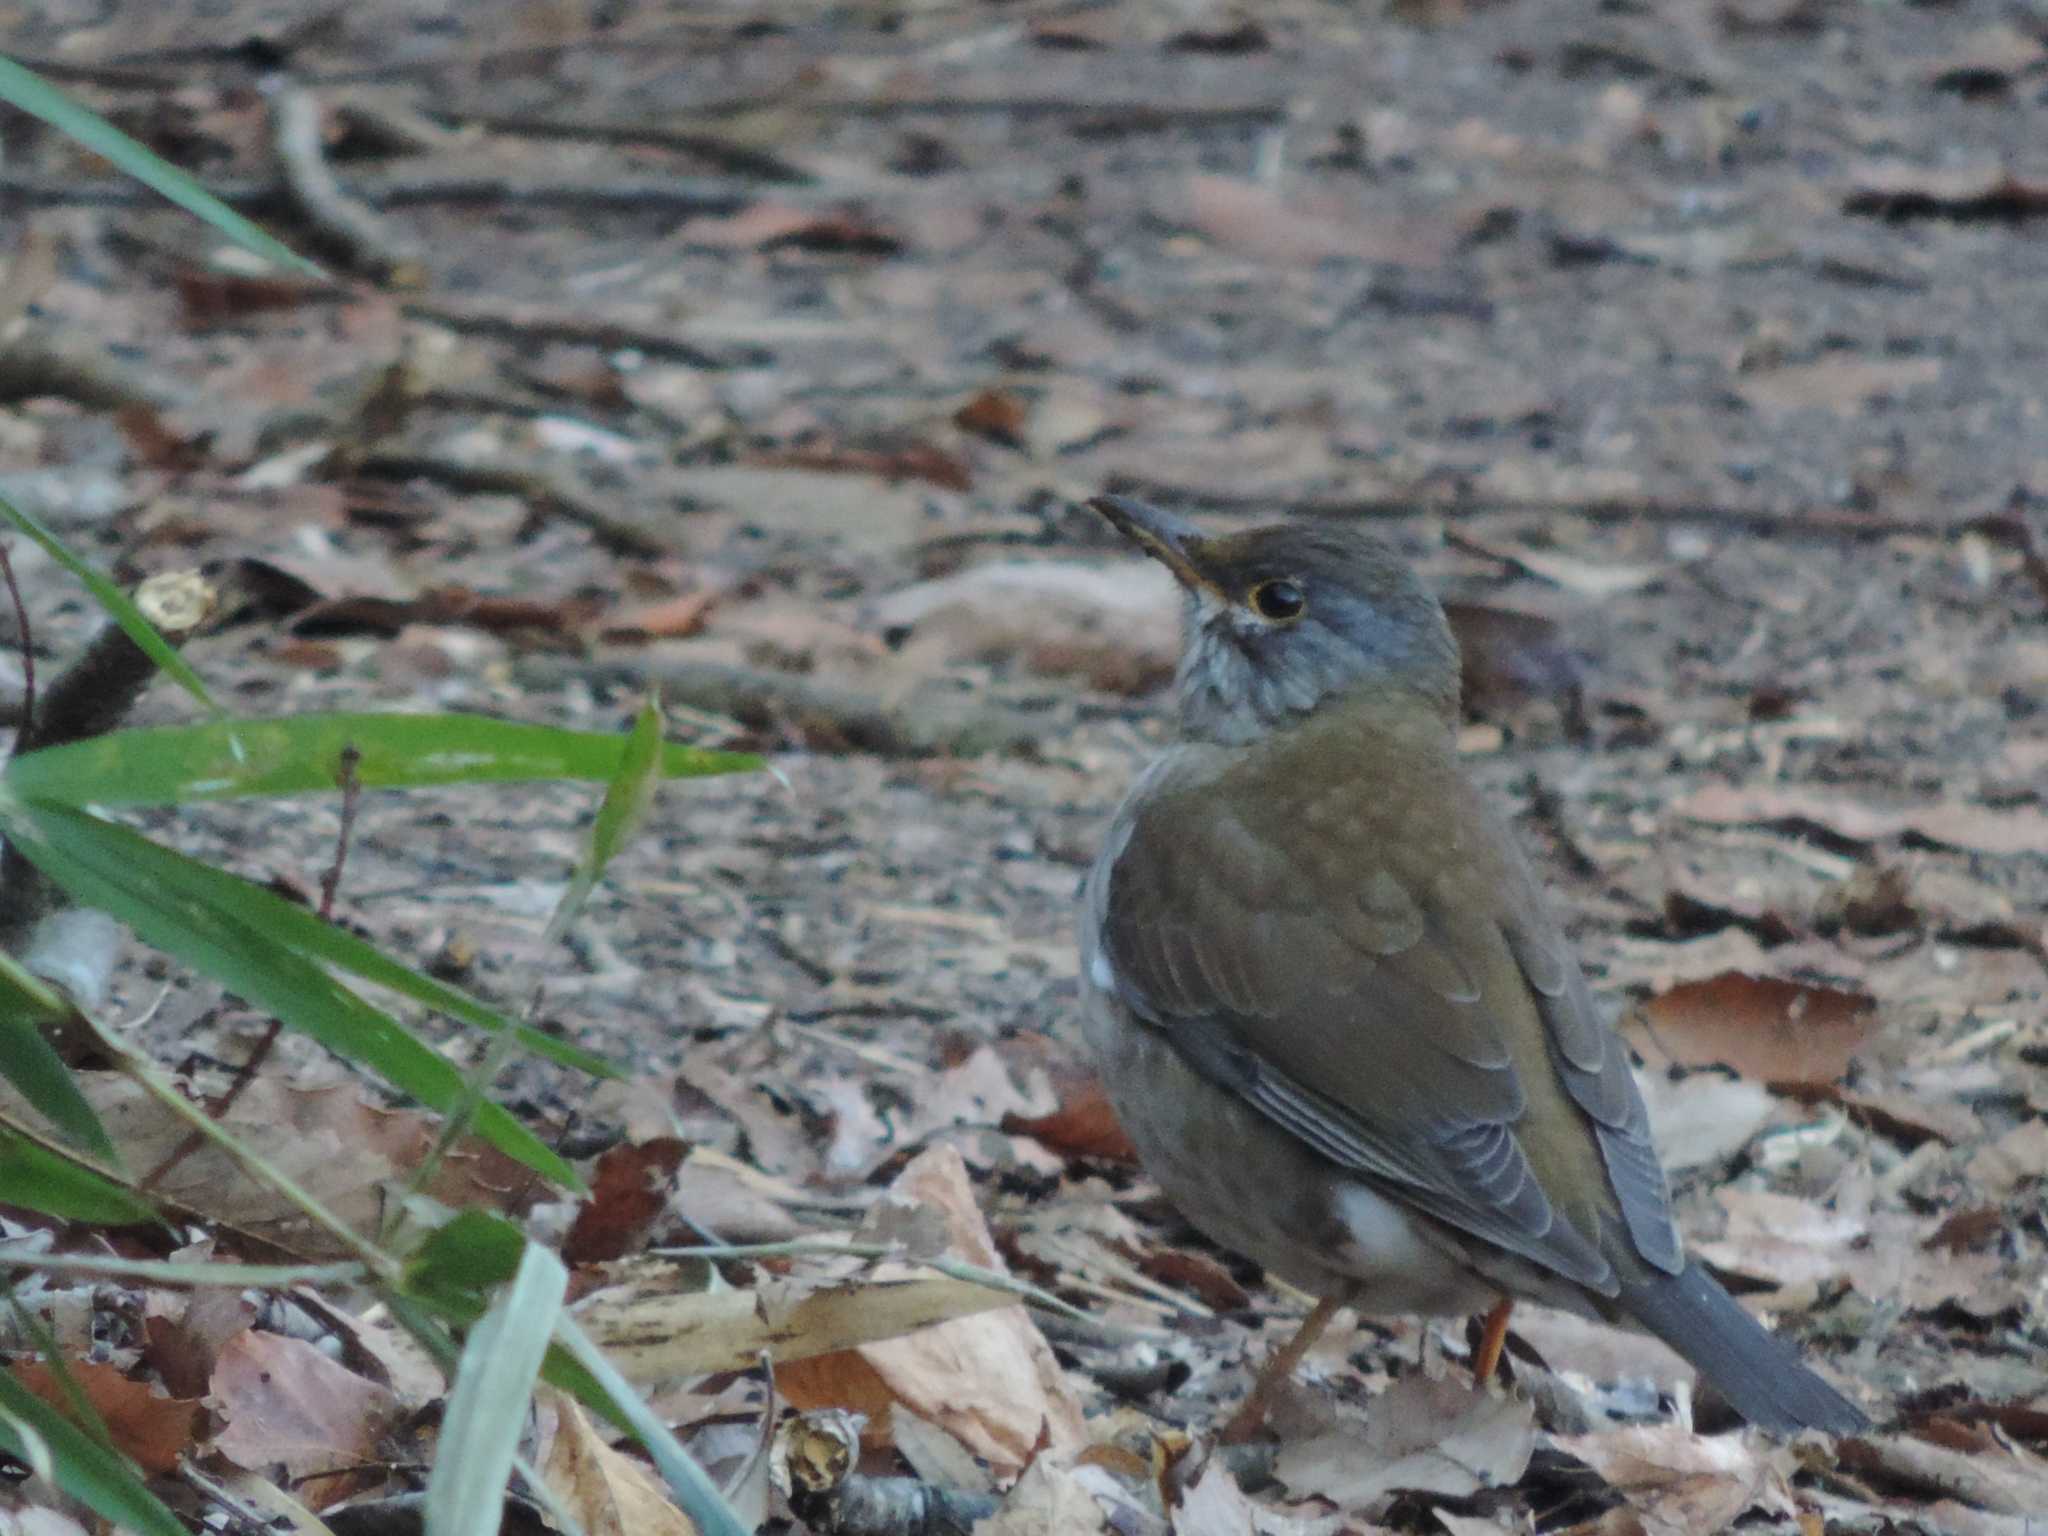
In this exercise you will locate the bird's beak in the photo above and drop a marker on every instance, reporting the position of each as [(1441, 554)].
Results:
[(1172, 541)]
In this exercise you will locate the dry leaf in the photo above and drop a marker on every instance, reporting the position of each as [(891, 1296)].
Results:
[(1048, 1498), (1259, 222), (1976, 828), (155, 1430), (1843, 385), (1683, 1484), (1885, 1255), (285, 1403), (995, 413), (655, 1338), (326, 1138), (989, 1381), (1763, 1028), (608, 1492), (1084, 1125), (2017, 1158), (628, 1193), (1702, 1117), (1432, 1436)]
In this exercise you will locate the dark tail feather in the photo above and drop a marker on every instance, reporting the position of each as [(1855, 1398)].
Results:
[(1759, 1374)]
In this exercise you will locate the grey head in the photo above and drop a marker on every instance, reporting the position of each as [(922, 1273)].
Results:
[(1283, 619)]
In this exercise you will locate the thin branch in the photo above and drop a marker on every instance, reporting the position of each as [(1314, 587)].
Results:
[(363, 238), (931, 723), (722, 151), (535, 323), (27, 634), (91, 697)]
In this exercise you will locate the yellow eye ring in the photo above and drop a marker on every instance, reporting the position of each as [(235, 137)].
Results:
[(1279, 601)]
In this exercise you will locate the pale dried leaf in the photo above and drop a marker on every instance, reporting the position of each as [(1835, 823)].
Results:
[(609, 1493), (1432, 1436), (1682, 1484), (1977, 828), (286, 1404)]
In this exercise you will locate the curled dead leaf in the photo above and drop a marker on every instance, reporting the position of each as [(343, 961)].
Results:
[(1759, 1026)]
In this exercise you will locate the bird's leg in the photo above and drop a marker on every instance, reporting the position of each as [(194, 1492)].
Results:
[(1486, 1360), (1251, 1414)]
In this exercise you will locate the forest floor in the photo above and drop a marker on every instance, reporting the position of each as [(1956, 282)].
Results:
[(1698, 354)]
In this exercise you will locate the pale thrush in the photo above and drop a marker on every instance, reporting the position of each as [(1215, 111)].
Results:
[(1330, 1004)]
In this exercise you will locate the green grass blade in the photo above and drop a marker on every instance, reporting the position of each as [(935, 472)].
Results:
[(627, 799), (486, 1411), (101, 1479), (28, 1061), (216, 924), (310, 936), (239, 759), (39, 1179), (118, 605), (36, 96)]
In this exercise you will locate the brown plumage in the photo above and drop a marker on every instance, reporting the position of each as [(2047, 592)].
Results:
[(1328, 997)]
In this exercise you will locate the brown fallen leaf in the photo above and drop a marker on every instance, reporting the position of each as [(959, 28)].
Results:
[(608, 1492), (1988, 60), (1763, 1028), (153, 1429), (990, 1381), (997, 414), (335, 1145), (1258, 221), (628, 1193), (1976, 828), (1683, 1484), (1049, 1498), (284, 1402), (1843, 385), (1084, 1125), (1801, 1246), (2003, 1480), (911, 461), (770, 226), (1895, 189), (1429, 1435)]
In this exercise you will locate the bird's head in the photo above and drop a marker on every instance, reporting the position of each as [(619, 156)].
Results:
[(1286, 619)]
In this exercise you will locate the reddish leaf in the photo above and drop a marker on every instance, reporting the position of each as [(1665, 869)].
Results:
[(627, 1196), (154, 1430), (1762, 1027), (1083, 1126)]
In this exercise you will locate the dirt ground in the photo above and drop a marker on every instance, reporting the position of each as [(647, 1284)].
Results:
[(1698, 352)]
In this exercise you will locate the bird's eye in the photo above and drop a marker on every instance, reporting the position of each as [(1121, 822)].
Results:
[(1278, 600)]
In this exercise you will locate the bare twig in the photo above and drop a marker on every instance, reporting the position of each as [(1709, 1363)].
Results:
[(545, 492), (77, 368), (26, 632), (90, 698), (362, 237), (2011, 528), (720, 150), (391, 189), (1820, 523), (932, 723), (351, 799), (533, 323)]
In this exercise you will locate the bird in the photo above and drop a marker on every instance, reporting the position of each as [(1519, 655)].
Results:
[(1331, 1007)]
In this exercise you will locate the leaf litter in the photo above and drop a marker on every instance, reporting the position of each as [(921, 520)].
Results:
[(1768, 721)]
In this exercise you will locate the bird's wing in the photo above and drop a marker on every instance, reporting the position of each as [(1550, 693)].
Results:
[(1393, 995)]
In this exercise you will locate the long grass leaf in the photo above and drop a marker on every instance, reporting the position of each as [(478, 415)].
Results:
[(34, 95)]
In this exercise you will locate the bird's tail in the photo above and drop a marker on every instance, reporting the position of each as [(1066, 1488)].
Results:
[(1760, 1375)]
